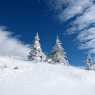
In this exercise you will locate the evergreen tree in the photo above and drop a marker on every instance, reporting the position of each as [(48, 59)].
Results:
[(58, 55), (36, 53), (89, 62)]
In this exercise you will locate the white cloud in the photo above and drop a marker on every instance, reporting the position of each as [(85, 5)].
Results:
[(86, 19), (84, 11), (87, 39), (11, 46), (74, 7)]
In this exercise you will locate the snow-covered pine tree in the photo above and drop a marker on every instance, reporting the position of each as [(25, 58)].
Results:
[(58, 55), (36, 53), (89, 62)]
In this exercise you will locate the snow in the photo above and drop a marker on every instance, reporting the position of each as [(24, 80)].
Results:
[(32, 78)]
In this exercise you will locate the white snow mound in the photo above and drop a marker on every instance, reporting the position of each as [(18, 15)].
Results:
[(19, 77)]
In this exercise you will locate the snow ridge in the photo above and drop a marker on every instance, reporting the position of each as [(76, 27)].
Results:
[(18, 77)]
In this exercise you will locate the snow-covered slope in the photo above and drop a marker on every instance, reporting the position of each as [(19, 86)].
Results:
[(19, 77)]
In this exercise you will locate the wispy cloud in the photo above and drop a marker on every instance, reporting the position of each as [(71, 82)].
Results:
[(11, 46), (82, 16), (87, 40), (70, 8)]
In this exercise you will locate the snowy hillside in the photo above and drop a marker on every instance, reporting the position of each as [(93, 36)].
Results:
[(19, 77)]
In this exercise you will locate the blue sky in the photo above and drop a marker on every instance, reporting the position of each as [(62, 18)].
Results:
[(26, 17)]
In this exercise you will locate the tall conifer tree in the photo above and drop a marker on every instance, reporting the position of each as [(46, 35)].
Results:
[(36, 53), (58, 55)]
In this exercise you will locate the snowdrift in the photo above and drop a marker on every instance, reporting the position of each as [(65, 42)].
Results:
[(18, 77)]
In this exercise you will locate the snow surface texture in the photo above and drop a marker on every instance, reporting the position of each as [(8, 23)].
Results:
[(19, 77)]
